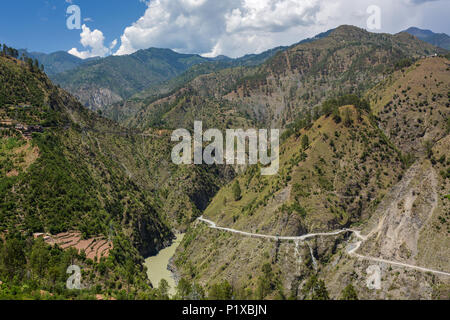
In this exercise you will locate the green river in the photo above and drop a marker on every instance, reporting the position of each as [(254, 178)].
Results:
[(157, 265)]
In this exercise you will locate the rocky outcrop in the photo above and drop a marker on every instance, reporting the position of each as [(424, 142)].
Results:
[(402, 215), (96, 98)]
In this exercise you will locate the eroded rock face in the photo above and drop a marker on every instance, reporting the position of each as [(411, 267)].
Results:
[(147, 236), (404, 213), (96, 98)]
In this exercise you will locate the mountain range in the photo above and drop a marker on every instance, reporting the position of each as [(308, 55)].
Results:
[(441, 40), (362, 186), (100, 82)]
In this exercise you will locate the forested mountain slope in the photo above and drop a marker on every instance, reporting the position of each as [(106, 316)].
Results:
[(64, 168), (364, 171), (55, 62), (104, 81), (441, 40), (289, 85), (108, 80), (123, 110)]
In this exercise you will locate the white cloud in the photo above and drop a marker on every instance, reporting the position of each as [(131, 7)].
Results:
[(93, 41), (238, 27), (412, 2), (203, 26)]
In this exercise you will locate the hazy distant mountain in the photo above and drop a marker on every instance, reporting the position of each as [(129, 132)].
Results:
[(308, 72), (109, 80), (441, 40), (56, 62), (124, 108), (99, 82)]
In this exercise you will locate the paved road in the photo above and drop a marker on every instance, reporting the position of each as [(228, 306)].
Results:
[(257, 235), (351, 249)]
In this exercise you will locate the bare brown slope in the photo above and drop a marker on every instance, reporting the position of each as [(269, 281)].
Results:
[(413, 104), (408, 219), (293, 81)]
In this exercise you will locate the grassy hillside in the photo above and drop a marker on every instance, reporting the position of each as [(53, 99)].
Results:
[(332, 179), (315, 165), (365, 146), (412, 105), (411, 224), (350, 171), (349, 60)]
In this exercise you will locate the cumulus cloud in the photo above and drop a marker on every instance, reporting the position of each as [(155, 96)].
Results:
[(412, 2), (238, 27), (94, 42), (230, 27)]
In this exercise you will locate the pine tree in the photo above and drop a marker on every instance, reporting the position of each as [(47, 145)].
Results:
[(163, 289), (349, 293), (183, 289), (337, 115), (347, 118), (221, 291), (236, 191), (305, 142), (315, 289), (266, 282)]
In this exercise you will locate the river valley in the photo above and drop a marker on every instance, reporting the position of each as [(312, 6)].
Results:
[(157, 265)]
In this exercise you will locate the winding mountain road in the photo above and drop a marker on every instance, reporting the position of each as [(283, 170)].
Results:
[(351, 249)]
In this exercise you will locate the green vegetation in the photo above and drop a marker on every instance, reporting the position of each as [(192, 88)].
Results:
[(89, 174), (305, 142), (338, 160), (55, 62), (72, 183), (428, 145), (349, 293), (404, 63), (221, 291), (18, 85), (315, 289), (267, 283), (236, 191), (127, 75), (332, 105), (31, 269), (325, 195), (207, 67)]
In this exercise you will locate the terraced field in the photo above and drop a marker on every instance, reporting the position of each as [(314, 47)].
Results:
[(95, 248)]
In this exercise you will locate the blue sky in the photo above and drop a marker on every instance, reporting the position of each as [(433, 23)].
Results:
[(208, 27), (40, 25)]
